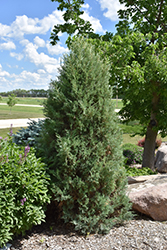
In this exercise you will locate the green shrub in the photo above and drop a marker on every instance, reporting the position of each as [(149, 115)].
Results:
[(81, 144), (29, 135), (138, 172), (133, 154), (23, 190), (132, 127)]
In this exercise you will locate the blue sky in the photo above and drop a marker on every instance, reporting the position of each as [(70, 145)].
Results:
[(27, 59)]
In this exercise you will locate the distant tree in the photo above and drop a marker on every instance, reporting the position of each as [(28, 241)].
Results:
[(11, 101)]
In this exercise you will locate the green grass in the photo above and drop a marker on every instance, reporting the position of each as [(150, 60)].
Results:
[(19, 112), (26, 100), (117, 103), (39, 101), (4, 132)]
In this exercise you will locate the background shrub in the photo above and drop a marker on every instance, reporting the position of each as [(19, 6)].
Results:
[(23, 190), (133, 154), (29, 135), (81, 144)]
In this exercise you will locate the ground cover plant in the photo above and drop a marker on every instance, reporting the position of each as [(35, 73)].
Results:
[(23, 190), (81, 144), (19, 112), (138, 171)]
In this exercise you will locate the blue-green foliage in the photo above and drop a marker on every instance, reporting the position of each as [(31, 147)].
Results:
[(23, 190), (133, 154), (29, 135), (81, 144)]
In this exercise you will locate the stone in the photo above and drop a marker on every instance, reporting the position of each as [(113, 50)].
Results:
[(7, 247), (150, 197), (161, 159), (138, 179)]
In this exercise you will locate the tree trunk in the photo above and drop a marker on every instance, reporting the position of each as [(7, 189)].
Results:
[(151, 135), (149, 148)]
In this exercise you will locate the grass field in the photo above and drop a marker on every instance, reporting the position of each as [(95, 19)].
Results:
[(39, 101), (26, 100), (117, 103), (19, 112), (4, 132)]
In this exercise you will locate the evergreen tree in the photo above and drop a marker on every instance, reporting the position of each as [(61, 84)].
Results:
[(81, 144)]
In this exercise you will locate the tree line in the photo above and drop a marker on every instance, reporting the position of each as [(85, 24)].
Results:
[(26, 93)]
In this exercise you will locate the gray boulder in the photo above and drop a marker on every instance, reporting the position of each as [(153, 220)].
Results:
[(150, 197), (161, 159)]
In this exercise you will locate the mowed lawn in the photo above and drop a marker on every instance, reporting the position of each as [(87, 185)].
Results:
[(26, 100), (19, 112)]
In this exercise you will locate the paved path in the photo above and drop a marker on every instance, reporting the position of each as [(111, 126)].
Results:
[(21, 122), (25, 105), (16, 122)]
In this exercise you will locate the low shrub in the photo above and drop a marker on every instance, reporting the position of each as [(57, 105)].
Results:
[(23, 190), (137, 172), (133, 154), (28, 135), (141, 143)]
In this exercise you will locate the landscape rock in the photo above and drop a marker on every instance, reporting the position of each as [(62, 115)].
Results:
[(150, 197), (138, 179), (161, 159)]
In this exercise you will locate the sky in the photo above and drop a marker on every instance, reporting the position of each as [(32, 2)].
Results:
[(27, 59)]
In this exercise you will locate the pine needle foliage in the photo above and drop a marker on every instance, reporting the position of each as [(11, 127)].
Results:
[(81, 143)]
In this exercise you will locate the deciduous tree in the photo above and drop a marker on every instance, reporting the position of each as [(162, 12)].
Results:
[(138, 58), (11, 101)]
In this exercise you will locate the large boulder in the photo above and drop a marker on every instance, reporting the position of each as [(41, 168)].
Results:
[(161, 159), (150, 197)]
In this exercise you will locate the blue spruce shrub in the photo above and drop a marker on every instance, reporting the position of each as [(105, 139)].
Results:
[(29, 135)]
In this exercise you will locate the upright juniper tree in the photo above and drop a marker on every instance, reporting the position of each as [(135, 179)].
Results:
[(82, 143)]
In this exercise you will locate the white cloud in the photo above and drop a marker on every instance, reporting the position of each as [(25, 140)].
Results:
[(24, 42), (49, 21), (18, 56), (3, 73), (39, 42), (85, 6), (41, 60), (7, 46), (41, 71), (112, 7), (56, 49), (24, 80), (94, 21), (4, 30), (25, 25)]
